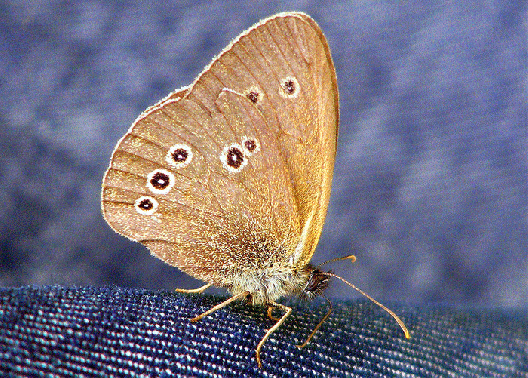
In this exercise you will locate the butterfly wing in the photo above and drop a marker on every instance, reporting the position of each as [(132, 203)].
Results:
[(283, 47), (177, 184)]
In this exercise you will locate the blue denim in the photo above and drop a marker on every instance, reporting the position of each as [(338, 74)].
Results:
[(113, 331)]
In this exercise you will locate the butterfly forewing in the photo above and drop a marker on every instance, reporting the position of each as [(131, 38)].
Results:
[(238, 164), (289, 46)]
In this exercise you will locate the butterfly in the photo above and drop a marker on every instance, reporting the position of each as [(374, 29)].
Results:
[(229, 178)]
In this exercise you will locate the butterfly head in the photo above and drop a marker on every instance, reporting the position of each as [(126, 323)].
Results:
[(316, 284)]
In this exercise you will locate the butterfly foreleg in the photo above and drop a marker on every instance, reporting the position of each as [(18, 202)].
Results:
[(300, 346)]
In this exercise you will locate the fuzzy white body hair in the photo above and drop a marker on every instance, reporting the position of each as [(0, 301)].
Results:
[(269, 284)]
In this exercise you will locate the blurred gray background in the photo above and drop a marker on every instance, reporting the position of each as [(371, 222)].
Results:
[(430, 188)]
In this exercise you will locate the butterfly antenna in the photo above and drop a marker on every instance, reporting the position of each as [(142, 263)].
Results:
[(398, 320), (351, 257)]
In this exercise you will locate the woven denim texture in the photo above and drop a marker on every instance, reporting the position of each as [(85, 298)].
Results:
[(114, 331)]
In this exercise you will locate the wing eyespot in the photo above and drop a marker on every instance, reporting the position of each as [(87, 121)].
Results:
[(179, 156), (289, 87), (233, 158), (254, 95), (160, 181), (146, 205), (250, 145)]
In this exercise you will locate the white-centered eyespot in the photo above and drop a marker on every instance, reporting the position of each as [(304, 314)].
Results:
[(146, 205), (160, 181), (289, 87), (250, 145), (179, 156), (233, 158), (254, 94)]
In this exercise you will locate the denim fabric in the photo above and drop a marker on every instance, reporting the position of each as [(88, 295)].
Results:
[(117, 331)]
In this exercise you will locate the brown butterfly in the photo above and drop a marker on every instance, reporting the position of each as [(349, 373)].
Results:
[(229, 178)]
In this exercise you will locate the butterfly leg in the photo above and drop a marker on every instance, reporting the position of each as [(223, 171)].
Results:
[(270, 309), (272, 329), (317, 326), (219, 306), (198, 290)]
